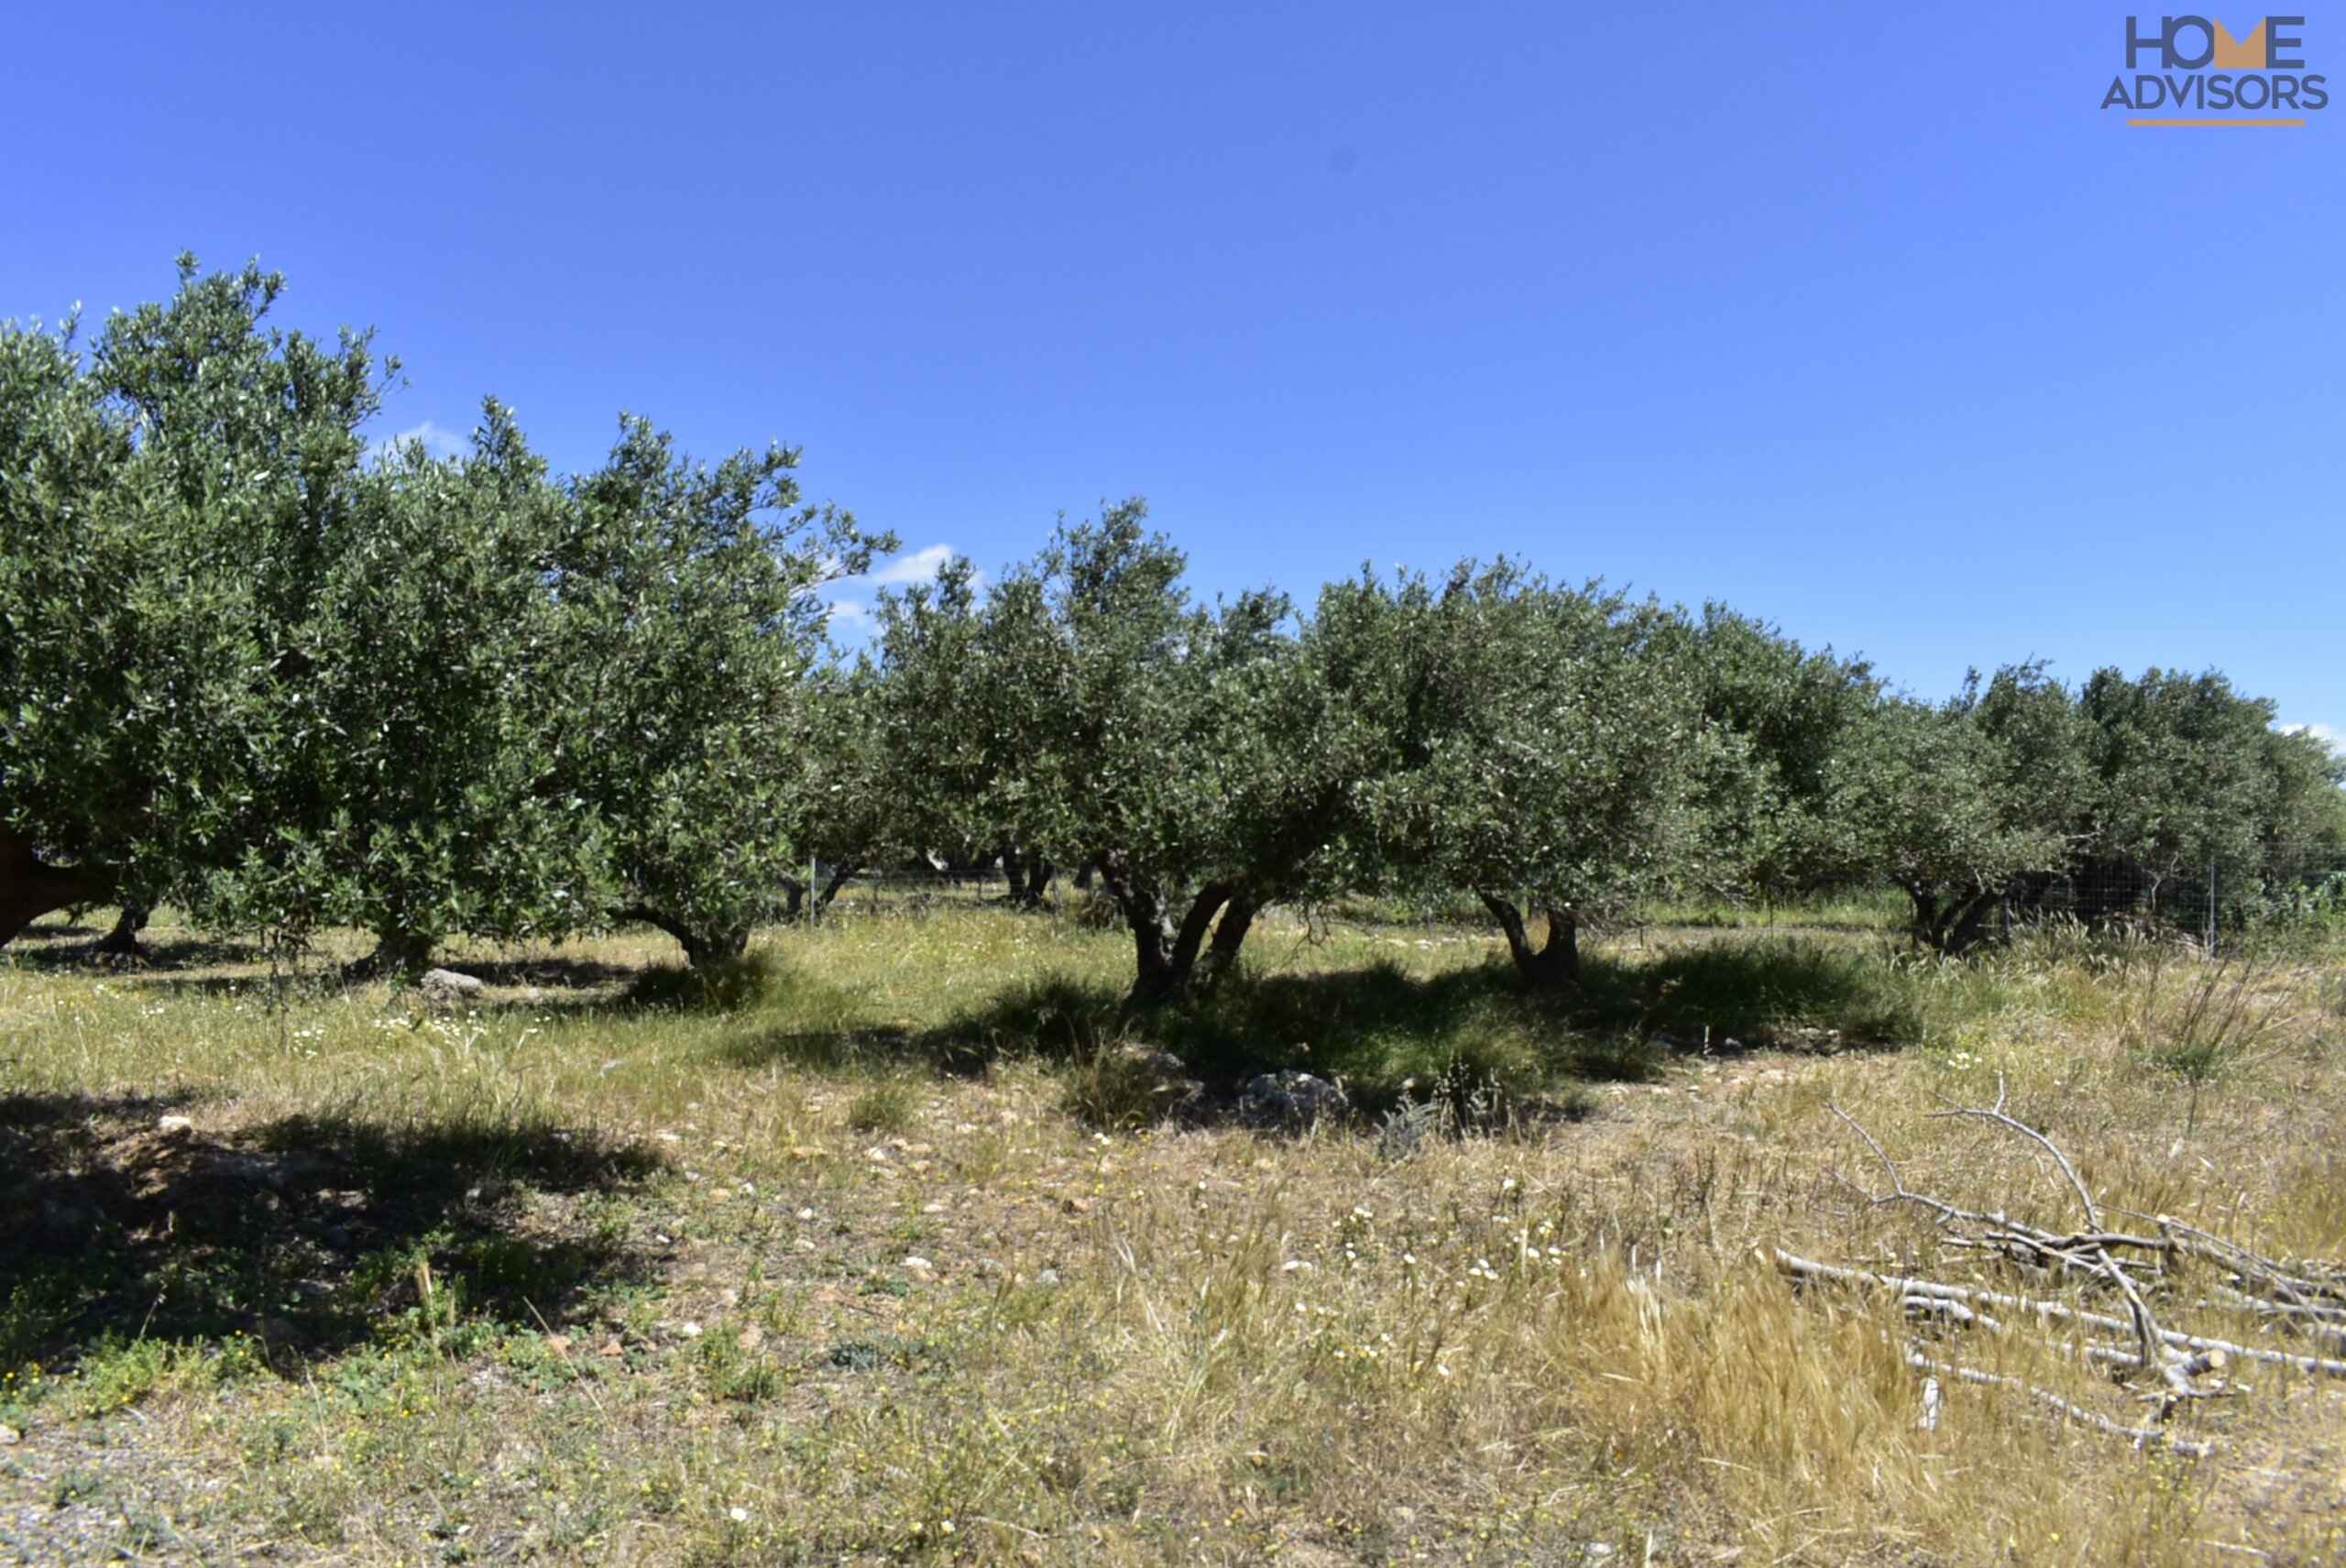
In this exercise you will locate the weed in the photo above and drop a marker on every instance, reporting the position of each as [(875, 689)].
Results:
[(883, 1105), (2196, 1019)]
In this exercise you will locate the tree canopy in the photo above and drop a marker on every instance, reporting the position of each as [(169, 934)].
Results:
[(253, 666)]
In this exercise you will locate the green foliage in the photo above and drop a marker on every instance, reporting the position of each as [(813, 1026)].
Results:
[(1780, 720), (690, 619), (173, 507), (1539, 743), (1959, 802), (247, 671), (248, 668), (1090, 709)]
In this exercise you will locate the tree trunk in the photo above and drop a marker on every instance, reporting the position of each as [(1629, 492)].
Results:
[(1952, 922), (122, 942), (1165, 953), (1556, 961), (31, 887), (840, 876), (793, 900), (1927, 913), (1963, 929), (1228, 936), (398, 956), (1028, 876), (702, 949)]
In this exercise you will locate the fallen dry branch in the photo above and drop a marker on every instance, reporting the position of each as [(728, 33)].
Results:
[(2190, 1448), (2137, 1268)]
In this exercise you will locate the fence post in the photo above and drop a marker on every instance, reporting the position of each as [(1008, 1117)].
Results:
[(2211, 906)]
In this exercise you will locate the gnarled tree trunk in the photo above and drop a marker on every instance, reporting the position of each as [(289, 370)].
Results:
[(398, 957), (1952, 922), (1229, 935), (1556, 961), (31, 887), (701, 947), (122, 942), (1165, 951)]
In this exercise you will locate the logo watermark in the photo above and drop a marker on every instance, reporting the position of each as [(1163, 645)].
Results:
[(2206, 75)]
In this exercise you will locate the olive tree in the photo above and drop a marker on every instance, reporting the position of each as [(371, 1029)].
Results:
[(1778, 717), (1540, 745), (438, 646), (1965, 805), (1091, 707), (691, 620), (172, 505), (2190, 772)]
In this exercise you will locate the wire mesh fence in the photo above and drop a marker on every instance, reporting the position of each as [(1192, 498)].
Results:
[(2280, 890)]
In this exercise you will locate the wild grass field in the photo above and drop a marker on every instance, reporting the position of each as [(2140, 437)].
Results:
[(905, 1244)]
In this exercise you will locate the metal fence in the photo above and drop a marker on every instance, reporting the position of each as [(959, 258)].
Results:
[(2281, 889)]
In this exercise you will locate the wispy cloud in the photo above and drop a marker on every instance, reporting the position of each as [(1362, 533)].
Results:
[(852, 618), (912, 566), (432, 438), (851, 615), (2328, 734)]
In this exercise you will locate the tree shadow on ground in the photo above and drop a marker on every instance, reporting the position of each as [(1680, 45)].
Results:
[(570, 973), (1389, 1034), (1774, 992), (310, 1233), (74, 947), (1381, 1029)]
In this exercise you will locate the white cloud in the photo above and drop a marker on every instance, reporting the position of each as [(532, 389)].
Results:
[(2328, 734), (435, 441), (917, 567), (852, 618), (851, 615)]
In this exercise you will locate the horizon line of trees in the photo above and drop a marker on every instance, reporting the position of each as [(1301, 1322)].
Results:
[(251, 670)]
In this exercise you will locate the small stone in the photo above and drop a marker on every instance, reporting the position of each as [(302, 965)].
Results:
[(1075, 1206), (10, 1437), (919, 1265), (1047, 1276), (1291, 1099), (174, 1126), (446, 986), (558, 1344)]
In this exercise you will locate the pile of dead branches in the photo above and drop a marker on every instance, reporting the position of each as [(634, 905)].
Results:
[(2158, 1265)]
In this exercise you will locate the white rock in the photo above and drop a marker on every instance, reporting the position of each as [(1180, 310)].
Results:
[(448, 985)]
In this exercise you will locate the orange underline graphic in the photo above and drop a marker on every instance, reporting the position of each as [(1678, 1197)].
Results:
[(2215, 122)]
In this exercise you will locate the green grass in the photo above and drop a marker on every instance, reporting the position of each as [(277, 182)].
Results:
[(908, 1223)]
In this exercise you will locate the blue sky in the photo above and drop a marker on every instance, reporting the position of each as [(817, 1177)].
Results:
[(1864, 318)]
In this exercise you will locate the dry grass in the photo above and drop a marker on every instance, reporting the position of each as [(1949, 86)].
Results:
[(868, 1267)]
